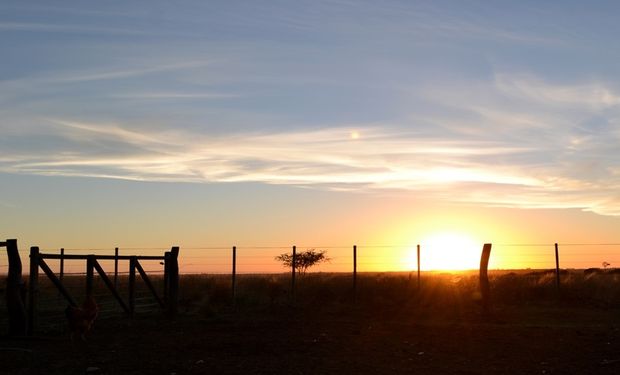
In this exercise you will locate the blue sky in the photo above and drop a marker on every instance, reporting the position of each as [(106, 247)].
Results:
[(489, 104)]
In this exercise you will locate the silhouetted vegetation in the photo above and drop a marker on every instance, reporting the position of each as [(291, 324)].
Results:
[(303, 260)]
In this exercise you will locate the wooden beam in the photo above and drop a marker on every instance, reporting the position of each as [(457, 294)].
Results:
[(108, 283), (101, 257), (50, 274), (148, 283)]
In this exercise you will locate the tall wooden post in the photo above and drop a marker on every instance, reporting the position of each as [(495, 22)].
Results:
[(234, 273), (116, 268), (485, 289), (354, 272), (90, 267), (132, 285), (33, 289), (62, 263), (166, 276), (418, 247), (173, 304), (15, 291), (293, 264), (557, 267)]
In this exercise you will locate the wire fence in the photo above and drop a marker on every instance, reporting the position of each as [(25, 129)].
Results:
[(370, 258)]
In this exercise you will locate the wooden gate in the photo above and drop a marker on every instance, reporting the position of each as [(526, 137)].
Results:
[(168, 302)]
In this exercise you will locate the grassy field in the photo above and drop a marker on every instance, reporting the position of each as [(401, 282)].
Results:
[(390, 326)]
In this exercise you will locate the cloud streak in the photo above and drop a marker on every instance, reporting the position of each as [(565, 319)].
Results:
[(491, 172)]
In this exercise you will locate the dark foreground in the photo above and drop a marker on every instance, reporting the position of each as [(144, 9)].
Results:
[(515, 340)]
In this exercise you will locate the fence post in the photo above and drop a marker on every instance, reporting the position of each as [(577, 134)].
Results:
[(485, 289), (234, 273), (33, 292), (293, 263), (132, 285), (418, 247), (15, 291), (173, 306), (354, 272), (62, 263), (116, 268), (166, 276), (90, 267), (557, 268)]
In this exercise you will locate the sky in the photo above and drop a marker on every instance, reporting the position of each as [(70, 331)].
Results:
[(318, 123)]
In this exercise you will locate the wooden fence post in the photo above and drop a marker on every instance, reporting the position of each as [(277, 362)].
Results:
[(234, 273), (62, 263), (354, 272), (166, 277), (116, 268), (418, 247), (15, 292), (485, 289), (90, 267), (557, 268), (173, 305), (132, 285), (33, 292), (293, 264)]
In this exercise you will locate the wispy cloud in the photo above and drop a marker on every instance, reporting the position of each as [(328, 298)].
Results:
[(57, 28), (379, 157), (174, 95), (126, 73)]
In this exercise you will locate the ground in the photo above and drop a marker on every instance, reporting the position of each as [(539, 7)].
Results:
[(517, 339)]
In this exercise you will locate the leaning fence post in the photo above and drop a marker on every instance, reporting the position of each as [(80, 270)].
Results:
[(418, 266), (234, 273), (557, 268), (354, 272), (15, 289), (485, 289), (33, 289), (173, 305)]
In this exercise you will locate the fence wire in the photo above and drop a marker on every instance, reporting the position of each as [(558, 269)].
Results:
[(260, 259)]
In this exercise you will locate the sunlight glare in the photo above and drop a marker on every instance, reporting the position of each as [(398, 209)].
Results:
[(447, 251)]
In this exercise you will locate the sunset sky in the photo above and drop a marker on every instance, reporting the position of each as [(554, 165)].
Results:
[(316, 123)]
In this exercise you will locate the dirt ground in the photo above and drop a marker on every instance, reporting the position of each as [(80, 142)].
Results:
[(345, 340)]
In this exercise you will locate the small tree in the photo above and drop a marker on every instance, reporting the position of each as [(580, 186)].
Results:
[(303, 260), (606, 264)]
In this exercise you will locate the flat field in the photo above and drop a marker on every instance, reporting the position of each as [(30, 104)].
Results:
[(390, 327)]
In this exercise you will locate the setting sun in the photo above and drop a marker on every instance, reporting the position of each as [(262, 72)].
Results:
[(447, 251)]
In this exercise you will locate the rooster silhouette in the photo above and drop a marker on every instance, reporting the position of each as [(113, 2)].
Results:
[(81, 318)]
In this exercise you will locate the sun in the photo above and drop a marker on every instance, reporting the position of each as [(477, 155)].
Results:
[(446, 251)]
